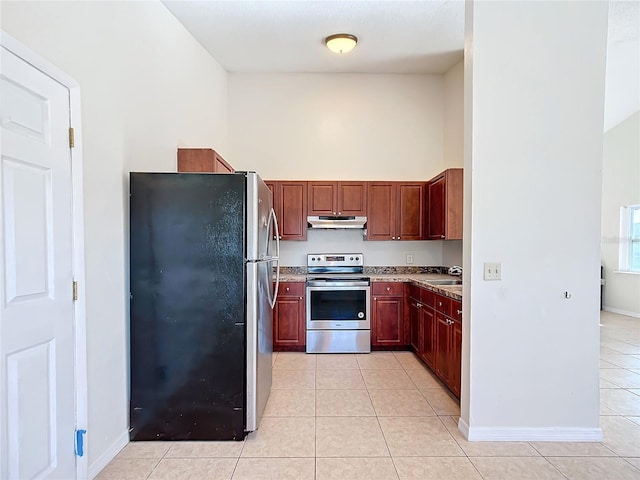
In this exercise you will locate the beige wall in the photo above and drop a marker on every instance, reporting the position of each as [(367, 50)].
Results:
[(341, 126), (533, 159), (620, 186), (147, 87), (453, 144), (454, 117), (337, 126)]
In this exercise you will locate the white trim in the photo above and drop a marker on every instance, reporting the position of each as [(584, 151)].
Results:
[(463, 427), (109, 454), (515, 434), (628, 272), (621, 312), (80, 318)]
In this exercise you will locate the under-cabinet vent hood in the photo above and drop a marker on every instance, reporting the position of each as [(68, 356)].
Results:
[(336, 222)]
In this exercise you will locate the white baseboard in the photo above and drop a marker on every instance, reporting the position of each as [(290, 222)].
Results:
[(109, 454), (509, 434), (621, 312)]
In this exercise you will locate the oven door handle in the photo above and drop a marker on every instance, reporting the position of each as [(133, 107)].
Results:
[(344, 285)]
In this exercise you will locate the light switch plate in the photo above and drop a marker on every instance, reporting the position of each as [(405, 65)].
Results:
[(493, 271), (409, 258)]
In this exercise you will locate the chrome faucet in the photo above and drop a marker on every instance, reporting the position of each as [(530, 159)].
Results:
[(455, 270)]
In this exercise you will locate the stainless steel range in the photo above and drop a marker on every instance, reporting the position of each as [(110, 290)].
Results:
[(338, 304)]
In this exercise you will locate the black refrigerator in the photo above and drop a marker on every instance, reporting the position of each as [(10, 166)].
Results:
[(202, 260)]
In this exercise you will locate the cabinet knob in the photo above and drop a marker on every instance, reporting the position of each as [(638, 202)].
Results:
[(374, 298), (339, 213), (441, 236), (459, 312), (398, 238), (280, 237), (439, 304), (388, 289), (334, 213), (300, 298), (393, 238), (288, 289), (419, 305)]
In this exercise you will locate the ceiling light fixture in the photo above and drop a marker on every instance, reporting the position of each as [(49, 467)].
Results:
[(341, 42)]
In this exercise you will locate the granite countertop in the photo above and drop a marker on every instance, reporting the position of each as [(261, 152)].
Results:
[(422, 280)]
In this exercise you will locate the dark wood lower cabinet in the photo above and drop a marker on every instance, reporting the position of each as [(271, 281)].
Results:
[(443, 348), (456, 358), (429, 336), (389, 327), (289, 332), (436, 334), (415, 321)]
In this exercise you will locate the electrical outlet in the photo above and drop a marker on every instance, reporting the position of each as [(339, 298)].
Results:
[(493, 271), (409, 258)]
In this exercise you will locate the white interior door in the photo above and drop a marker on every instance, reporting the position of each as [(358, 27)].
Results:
[(37, 411)]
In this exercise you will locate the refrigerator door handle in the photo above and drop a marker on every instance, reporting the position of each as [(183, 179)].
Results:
[(276, 258)]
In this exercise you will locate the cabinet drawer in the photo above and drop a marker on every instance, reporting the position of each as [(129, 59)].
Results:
[(291, 289), (456, 310), (428, 297), (415, 292), (443, 304), (387, 288)]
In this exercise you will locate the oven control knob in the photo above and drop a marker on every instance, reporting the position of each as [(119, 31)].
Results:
[(360, 314), (350, 258), (313, 259)]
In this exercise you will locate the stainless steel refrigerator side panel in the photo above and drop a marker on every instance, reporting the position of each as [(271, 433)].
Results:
[(259, 206), (259, 342), (259, 310)]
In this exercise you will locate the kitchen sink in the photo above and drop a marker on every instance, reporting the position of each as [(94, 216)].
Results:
[(445, 282)]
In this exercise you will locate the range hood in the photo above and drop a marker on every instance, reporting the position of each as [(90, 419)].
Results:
[(336, 222)]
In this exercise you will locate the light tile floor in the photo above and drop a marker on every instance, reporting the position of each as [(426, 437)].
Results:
[(385, 416)]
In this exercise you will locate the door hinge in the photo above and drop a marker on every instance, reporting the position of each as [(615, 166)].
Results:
[(75, 291), (72, 138)]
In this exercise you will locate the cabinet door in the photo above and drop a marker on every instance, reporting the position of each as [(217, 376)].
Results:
[(352, 198), (381, 211), (436, 202), (388, 324), (292, 197), (415, 321), (411, 212), (323, 198), (428, 352), (442, 357), (289, 330), (456, 358)]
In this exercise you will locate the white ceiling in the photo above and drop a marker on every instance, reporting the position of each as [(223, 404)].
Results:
[(423, 36)]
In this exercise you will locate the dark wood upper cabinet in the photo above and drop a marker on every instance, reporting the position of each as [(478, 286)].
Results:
[(396, 211), (290, 205), (352, 198), (323, 198), (411, 211), (337, 198), (202, 160), (381, 211), (444, 198)]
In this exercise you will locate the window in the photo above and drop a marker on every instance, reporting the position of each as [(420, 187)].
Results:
[(630, 238)]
